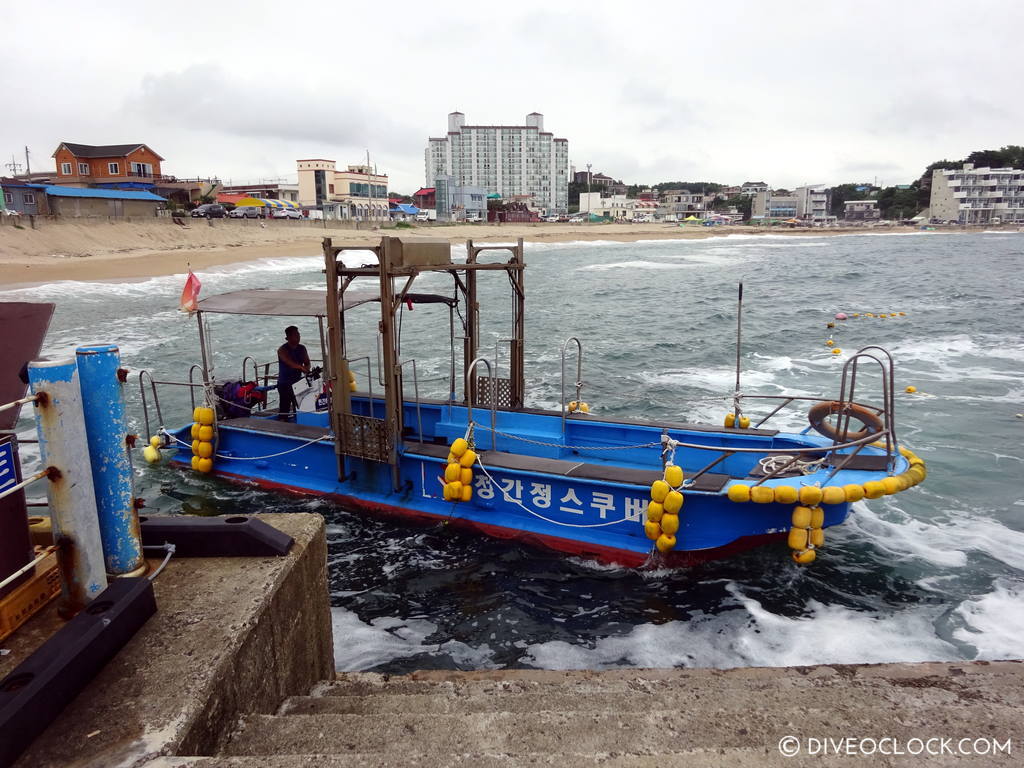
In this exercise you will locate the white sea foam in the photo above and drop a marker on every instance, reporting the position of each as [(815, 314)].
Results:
[(945, 542), (994, 622), (635, 265), (360, 646), (754, 636)]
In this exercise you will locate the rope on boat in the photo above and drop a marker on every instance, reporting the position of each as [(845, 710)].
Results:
[(255, 458), (574, 447), (525, 508), (771, 464)]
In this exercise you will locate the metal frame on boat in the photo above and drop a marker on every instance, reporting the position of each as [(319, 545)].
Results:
[(569, 479)]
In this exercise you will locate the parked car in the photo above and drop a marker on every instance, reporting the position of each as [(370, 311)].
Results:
[(285, 213), (575, 219), (551, 219), (246, 212), (209, 211), (474, 218), (422, 216)]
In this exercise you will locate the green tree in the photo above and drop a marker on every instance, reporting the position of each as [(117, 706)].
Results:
[(693, 186), (843, 192)]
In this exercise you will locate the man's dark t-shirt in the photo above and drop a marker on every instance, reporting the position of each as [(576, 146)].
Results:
[(287, 375)]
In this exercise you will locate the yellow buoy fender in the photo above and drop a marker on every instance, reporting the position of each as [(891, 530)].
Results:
[(853, 492), (155, 441), (659, 490), (206, 432), (195, 447), (760, 494), (817, 517), (674, 475), (744, 422), (195, 462), (739, 493), (805, 557), (891, 485), (459, 447), (195, 430), (730, 419), (205, 465), (786, 494), (652, 530), (205, 450), (151, 454), (468, 458), (655, 511), (673, 503), (452, 473), (832, 494), (456, 490), (665, 543), (466, 476), (467, 492), (797, 538), (670, 524), (810, 495), (801, 517), (817, 537), (873, 489), (204, 415)]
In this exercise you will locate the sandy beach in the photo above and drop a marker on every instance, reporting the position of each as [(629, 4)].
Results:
[(89, 250)]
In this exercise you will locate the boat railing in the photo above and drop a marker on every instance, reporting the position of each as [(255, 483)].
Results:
[(470, 369), (145, 376), (416, 394), (563, 405), (267, 376), (792, 454)]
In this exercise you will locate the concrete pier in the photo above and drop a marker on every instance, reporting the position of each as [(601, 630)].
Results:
[(235, 671), (231, 636)]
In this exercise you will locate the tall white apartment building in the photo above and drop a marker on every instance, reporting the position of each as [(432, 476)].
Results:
[(516, 161), (978, 195)]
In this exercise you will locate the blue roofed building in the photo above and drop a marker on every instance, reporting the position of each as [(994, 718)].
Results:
[(403, 211), (75, 202)]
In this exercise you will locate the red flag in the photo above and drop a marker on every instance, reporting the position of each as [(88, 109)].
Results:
[(190, 293)]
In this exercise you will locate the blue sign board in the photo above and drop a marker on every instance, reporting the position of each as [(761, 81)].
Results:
[(8, 469)]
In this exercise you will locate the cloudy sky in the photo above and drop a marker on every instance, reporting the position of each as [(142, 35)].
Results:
[(787, 92)]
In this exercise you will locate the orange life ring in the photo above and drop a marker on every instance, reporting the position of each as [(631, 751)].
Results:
[(820, 412)]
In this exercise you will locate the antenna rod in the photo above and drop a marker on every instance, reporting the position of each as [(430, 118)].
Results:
[(739, 337)]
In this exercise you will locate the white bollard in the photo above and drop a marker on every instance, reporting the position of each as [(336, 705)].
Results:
[(63, 445)]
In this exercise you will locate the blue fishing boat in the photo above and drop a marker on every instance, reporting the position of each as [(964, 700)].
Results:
[(621, 491)]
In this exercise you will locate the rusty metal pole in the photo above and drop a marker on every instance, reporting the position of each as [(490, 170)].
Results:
[(63, 445)]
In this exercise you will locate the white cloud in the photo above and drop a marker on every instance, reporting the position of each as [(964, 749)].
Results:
[(793, 92)]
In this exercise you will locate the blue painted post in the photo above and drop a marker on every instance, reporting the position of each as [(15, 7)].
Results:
[(112, 477), (62, 445)]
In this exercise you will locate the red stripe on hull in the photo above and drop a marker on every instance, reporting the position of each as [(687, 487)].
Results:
[(610, 555)]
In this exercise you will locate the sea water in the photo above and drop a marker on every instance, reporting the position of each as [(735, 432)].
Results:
[(933, 573)]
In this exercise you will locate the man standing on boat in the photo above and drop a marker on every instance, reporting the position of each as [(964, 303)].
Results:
[(292, 363)]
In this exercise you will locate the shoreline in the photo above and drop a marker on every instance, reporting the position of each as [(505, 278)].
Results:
[(135, 250)]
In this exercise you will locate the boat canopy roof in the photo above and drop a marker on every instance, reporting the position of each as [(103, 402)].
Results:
[(297, 302)]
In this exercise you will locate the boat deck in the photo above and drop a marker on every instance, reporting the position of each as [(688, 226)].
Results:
[(708, 483)]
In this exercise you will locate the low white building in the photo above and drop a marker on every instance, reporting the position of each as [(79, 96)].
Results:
[(617, 207), (978, 195)]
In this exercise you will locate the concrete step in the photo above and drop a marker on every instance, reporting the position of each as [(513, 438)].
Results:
[(691, 758), (651, 699), (699, 726), (734, 757), (1005, 680)]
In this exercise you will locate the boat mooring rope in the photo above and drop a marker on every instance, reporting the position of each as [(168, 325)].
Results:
[(525, 508), (573, 447), (253, 458)]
